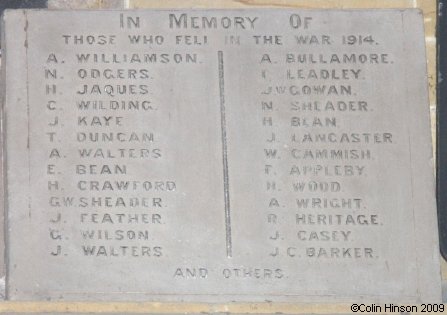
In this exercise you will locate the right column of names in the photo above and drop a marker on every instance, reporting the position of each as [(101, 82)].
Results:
[(319, 108)]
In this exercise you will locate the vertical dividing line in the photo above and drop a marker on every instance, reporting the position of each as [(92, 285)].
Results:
[(28, 145), (224, 154)]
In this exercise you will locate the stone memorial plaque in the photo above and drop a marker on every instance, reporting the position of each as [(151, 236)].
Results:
[(218, 156)]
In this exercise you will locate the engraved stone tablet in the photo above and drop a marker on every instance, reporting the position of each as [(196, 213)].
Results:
[(218, 156)]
